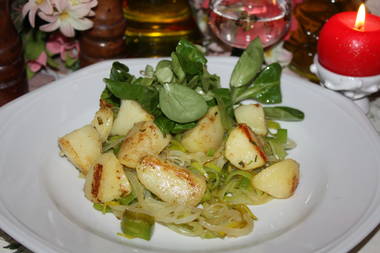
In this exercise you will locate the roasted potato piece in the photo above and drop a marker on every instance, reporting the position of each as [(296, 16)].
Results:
[(171, 183), (82, 147), (252, 115), (130, 112), (103, 122), (279, 180), (243, 149), (106, 180), (207, 135), (143, 139)]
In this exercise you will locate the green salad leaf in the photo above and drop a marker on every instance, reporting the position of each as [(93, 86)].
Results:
[(110, 99), (120, 72), (177, 68), (179, 90), (169, 126), (146, 96), (283, 113), (190, 57), (248, 65), (225, 106), (181, 104), (265, 89)]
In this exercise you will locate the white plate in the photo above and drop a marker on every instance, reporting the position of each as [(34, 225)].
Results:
[(42, 204)]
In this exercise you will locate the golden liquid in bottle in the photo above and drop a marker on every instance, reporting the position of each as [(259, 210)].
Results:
[(155, 26), (311, 15)]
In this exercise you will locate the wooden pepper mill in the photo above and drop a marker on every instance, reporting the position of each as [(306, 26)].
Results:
[(13, 81), (105, 40)]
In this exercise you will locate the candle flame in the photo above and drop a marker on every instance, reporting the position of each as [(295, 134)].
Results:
[(360, 18)]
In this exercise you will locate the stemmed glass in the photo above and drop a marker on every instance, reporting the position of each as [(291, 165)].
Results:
[(237, 22)]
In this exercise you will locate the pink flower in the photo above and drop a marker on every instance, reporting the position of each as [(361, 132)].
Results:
[(59, 44), (37, 64), (68, 17), (33, 6)]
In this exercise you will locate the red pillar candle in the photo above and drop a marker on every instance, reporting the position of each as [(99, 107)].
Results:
[(349, 47)]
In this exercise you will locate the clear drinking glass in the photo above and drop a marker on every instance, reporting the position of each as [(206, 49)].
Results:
[(237, 22)]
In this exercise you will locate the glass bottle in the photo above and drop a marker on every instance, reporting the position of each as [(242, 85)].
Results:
[(13, 82), (310, 16), (155, 26)]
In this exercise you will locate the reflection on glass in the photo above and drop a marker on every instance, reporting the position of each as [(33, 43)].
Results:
[(237, 22), (155, 26)]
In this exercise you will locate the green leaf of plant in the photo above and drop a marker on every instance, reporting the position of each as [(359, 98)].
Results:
[(164, 75), (120, 72), (168, 126), (164, 124), (180, 128), (144, 81), (283, 113), (34, 44), (190, 57), (248, 65), (209, 81), (225, 106), (163, 64), (52, 63), (146, 96), (181, 104), (194, 82), (268, 84), (207, 96), (265, 89), (149, 71), (163, 72), (108, 98), (29, 73), (71, 62), (177, 68)]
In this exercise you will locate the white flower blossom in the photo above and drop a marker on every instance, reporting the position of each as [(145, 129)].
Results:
[(34, 6), (69, 15)]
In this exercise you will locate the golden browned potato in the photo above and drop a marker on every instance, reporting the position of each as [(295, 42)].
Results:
[(103, 122), (82, 147), (252, 115), (279, 180), (130, 112), (171, 183), (106, 180), (143, 139), (207, 135), (243, 149)]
